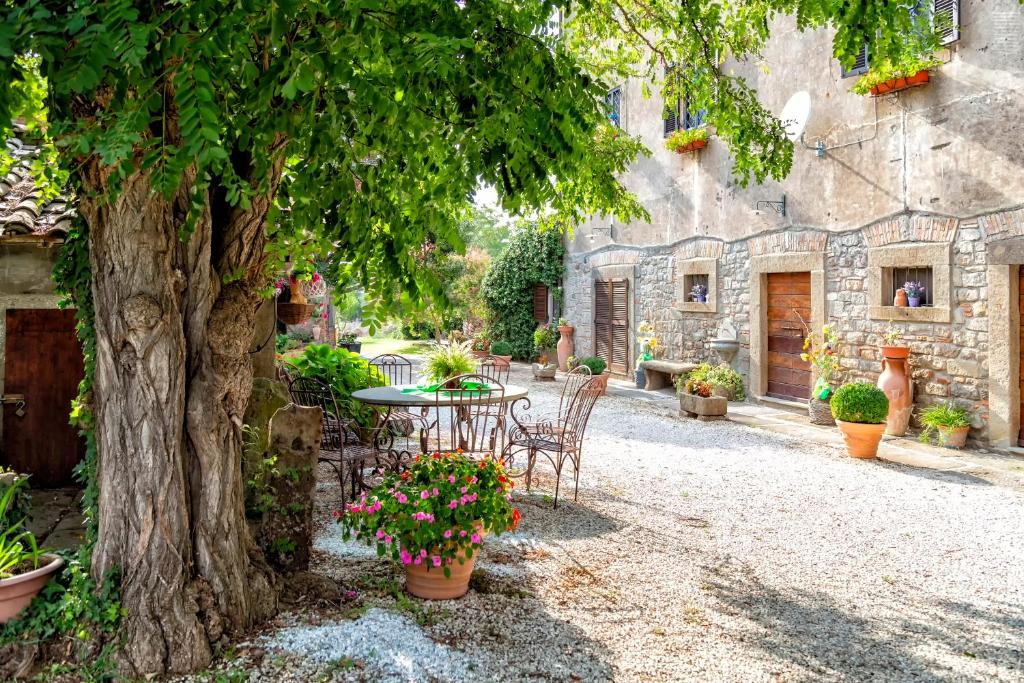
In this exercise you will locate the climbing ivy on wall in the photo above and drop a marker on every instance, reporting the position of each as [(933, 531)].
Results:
[(533, 256)]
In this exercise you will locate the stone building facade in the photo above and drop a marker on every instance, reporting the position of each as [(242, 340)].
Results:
[(930, 179)]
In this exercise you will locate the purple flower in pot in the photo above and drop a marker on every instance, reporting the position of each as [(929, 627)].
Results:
[(699, 293), (915, 293)]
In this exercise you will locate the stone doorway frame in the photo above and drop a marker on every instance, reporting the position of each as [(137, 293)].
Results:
[(613, 272), (1004, 346), (760, 266)]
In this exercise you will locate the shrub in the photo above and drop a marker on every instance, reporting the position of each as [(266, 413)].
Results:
[(437, 511), (501, 348), (693, 386), (700, 373), (726, 378), (345, 372), (544, 338), (595, 363), (448, 360), (945, 415), (860, 402)]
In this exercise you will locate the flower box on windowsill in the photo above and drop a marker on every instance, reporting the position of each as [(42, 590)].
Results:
[(692, 146), (903, 83)]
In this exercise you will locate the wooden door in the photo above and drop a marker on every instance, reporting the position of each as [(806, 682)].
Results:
[(43, 361), (788, 320), (611, 323)]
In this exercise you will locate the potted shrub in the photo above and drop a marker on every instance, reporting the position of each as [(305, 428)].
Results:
[(697, 399), (860, 410), (481, 345), (699, 293), (599, 370), (24, 568), (687, 140), (350, 342), (444, 361), (889, 77), (565, 348), (544, 340), (572, 362), (823, 357), (915, 293), (726, 382), (945, 424), (433, 519), (502, 350)]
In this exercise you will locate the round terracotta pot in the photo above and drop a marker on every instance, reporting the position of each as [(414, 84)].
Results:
[(564, 348), (895, 351), (895, 382), (861, 439), (507, 359), (17, 592), (430, 583), (953, 437), (602, 381), (900, 299)]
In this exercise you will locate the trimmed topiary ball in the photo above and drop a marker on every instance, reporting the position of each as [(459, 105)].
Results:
[(860, 402)]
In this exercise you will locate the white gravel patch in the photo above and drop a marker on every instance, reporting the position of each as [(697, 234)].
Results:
[(390, 647), (332, 543)]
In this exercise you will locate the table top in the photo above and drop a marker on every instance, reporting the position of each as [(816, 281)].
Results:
[(393, 396)]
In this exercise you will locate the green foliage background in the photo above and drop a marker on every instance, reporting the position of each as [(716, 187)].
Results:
[(534, 255)]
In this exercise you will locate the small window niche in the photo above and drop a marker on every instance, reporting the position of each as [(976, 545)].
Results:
[(891, 267), (692, 273)]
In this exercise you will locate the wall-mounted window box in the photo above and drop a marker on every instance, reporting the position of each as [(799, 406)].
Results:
[(902, 83), (683, 141), (889, 78)]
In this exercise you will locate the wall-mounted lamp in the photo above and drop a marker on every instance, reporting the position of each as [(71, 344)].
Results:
[(778, 207), (602, 230)]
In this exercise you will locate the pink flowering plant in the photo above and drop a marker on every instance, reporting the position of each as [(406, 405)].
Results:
[(435, 513)]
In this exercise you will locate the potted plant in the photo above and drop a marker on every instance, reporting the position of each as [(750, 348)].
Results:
[(647, 343), (726, 382), (945, 424), (687, 140), (445, 360), (697, 399), (24, 568), (565, 348), (544, 340), (598, 369), (891, 347), (481, 345), (860, 410), (823, 357), (502, 350), (350, 342), (890, 77), (699, 293), (572, 362), (433, 519), (915, 293)]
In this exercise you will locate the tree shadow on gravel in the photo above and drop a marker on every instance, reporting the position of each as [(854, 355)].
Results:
[(572, 520), (810, 629), (944, 476)]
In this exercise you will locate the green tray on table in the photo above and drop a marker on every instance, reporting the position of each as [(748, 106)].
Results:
[(467, 388)]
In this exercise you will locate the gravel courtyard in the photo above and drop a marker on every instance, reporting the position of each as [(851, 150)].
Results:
[(696, 552)]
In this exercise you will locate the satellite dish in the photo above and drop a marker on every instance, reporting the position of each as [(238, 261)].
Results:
[(795, 114)]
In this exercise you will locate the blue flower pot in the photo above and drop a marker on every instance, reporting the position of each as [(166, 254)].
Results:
[(913, 301)]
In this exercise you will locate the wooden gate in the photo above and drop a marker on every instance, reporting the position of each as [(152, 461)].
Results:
[(789, 310), (43, 361), (611, 323)]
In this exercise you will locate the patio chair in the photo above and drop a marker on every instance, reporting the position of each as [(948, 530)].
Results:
[(497, 369), (470, 419), (536, 423), (396, 369), (560, 441), (346, 457)]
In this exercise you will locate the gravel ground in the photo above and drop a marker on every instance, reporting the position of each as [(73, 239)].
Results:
[(696, 552)]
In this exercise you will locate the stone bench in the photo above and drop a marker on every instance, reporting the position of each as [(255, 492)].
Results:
[(661, 373)]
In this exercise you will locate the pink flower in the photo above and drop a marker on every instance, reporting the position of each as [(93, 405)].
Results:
[(462, 534), (406, 557), (418, 560), (402, 498), (387, 539), (436, 560), (454, 504), (436, 492), (424, 494), (448, 533), (380, 533), (463, 489), (423, 553), (475, 538), (451, 478)]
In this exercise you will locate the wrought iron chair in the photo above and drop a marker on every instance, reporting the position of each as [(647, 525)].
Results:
[(536, 423), (497, 369), (395, 369), (346, 457), (560, 441), (471, 420)]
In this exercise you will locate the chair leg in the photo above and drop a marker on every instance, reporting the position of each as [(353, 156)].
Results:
[(576, 476), (558, 480), (530, 458)]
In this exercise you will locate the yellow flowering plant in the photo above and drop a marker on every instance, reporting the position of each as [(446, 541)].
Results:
[(822, 355)]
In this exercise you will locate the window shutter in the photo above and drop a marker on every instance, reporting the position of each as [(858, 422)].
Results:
[(540, 303), (614, 101), (672, 118), (947, 15), (860, 64)]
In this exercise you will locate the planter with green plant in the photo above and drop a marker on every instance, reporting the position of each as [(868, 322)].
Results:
[(599, 370), (687, 140), (544, 340), (860, 410), (433, 518), (481, 347), (24, 568), (820, 352), (345, 372), (723, 380), (890, 77), (503, 350), (445, 360), (351, 342), (697, 399), (891, 346), (945, 424)]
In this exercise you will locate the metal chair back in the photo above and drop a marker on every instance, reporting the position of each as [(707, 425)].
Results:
[(471, 420), (395, 369), (311, 392), (574, 380), (497, 369), (577, 415)]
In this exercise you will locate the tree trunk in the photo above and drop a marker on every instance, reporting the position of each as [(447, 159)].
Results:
[(173, 376)]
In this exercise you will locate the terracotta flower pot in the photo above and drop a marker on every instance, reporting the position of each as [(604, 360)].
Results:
[(602, 382), (507, 359), (17, 592), (896, 84), (861, 439), (953, 437), (692, 146), (565, 346), (895, 382), (430, 583), (900, 299), (895, 351)]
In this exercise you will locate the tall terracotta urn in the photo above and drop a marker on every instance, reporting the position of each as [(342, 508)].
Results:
[(564, 346), (895, 382)]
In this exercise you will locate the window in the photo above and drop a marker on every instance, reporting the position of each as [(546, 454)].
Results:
[(695, 280), (690, 273), (860, 64), (692, 117), (614, 101), (684, 115), (922, 274), (672, 110), (946, 15)]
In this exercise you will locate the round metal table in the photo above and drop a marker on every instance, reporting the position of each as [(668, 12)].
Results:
[(393, 397)]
